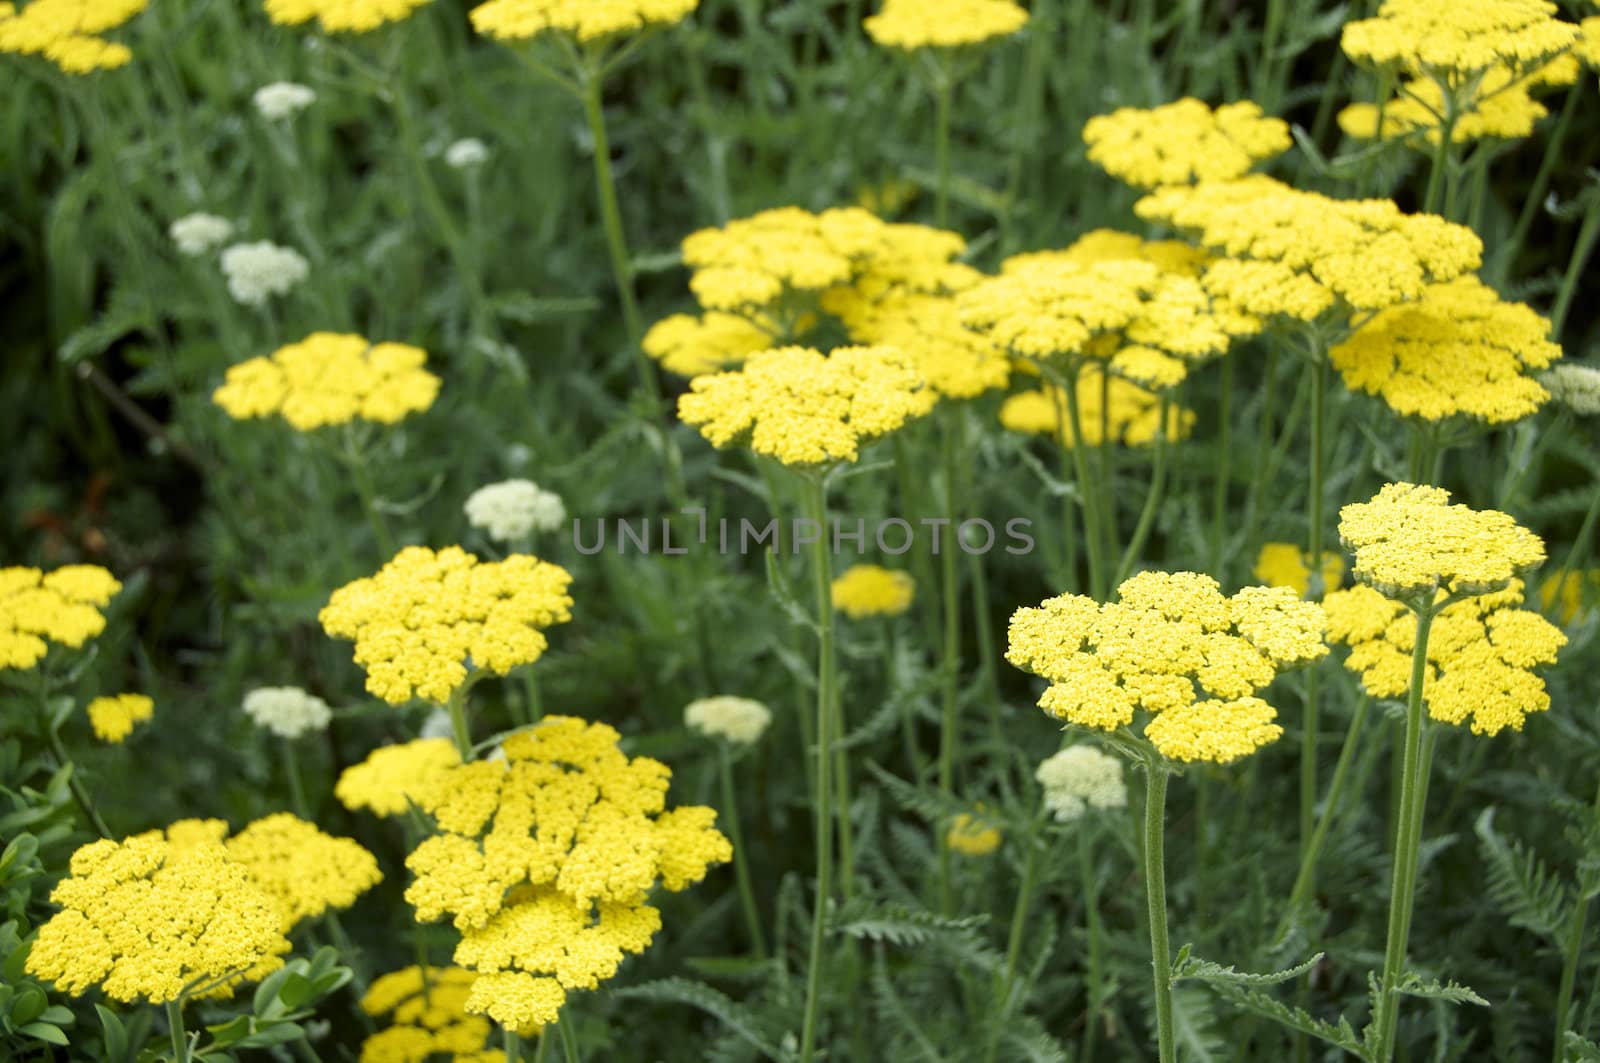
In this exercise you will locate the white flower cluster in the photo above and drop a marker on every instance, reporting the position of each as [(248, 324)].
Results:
[(283, 99), (741, 721), (287, 711), (1575, 386), (258, 271), (467, 152), (1079, 778), (512, 509), (196, 234)]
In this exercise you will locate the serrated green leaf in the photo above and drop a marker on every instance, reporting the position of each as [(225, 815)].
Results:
[(1191, 968), (1413, 986), (1529, 893), (725, 1009)]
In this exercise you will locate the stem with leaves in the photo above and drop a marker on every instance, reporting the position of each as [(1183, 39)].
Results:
[(822, 579), (1155, 887)]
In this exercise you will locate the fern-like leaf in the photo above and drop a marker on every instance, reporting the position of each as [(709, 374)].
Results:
[(1413, 986), (739, 1019), (1339, 1035), (1528, 892), (1190, 967)]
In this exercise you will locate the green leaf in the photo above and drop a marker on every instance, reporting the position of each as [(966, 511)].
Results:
[(279, 1033), (1413, 986), (1194, 1027), (266, 996), (113, 1033), (1268, 1007), (20, 851), (44, 1031), (230, 1032), (29, 1005), (1189, 967), (59, 1015), (1581, 1049), (729, 1012), (1528, 892)]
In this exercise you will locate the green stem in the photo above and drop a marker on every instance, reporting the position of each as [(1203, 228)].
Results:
[(1224, 468), (1025, 121), (822, 576), (457, 707), (1088, 494), (1271, 30), (569, 1041), (79, 793), (1413, 790), (1572, 952), (988, 669), (1152, 499), (741, 863), (1585, 537), (533, 702), (297, 790), (180, 1038), (950, 582), (1305, 880), (1581, 249), (1441, 157), (942, 91), (542, 1053), (1019, 923), (356, 459), (513, 1047), (1155, 886), (1541, 180), (622, 274), (1310, 724)]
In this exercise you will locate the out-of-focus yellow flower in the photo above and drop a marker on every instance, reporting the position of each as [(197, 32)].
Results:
[(1566, 598), (429, 1018), (1288, 565), (1176, 647), (63, 606), (1410, 540), (914, 24), (545, 861), (585, 20), (142, 919), (972, 835), (341, 16), (692, 346), (393, 778), (872, 590), (113, 718), (1184, 141), (427, 616), (1501, 108), (806, 408), (1482, 652), (1459, 350), (330, 378), (67, 32), (1459, 40)]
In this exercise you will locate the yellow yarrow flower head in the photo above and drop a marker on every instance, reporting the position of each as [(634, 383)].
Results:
[(692, 346), (1288, 565), (779, 256), (113, 718), (1043, 308), (63, 606), (1481, 656), (545, 861), (971, 834), (341, 16), (1410, 541), (1182, 142), (1132, 414), (1175, 647), (330, 378), (393, 778), (143, 920), (428, 1018), (872, 590), (805, 408), (1302, 254), (1458, 350), (1458, 41), (67, 32), (585, 20), (911, 25), (428, 617), (303, 870)]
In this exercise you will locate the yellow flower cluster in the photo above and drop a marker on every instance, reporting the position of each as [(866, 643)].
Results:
[(1409, 540), (303, 870), (806, 408), (872, 590), (429, 1018), (1185, 141), (62, 607), (1566, 596), (427, 616), (545, 861), (1457, 41), (1118, 412), (341, 16), (113, 718), (330, 378), (955, 361), (1301, 254), (693, 346), (1175, 646), (972, 835), (1288, 565), (1458, 350), (67, 32), (586, 20), (916, 24), (393, 778), (1481, 654), (144, 918), (1501, 108)]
